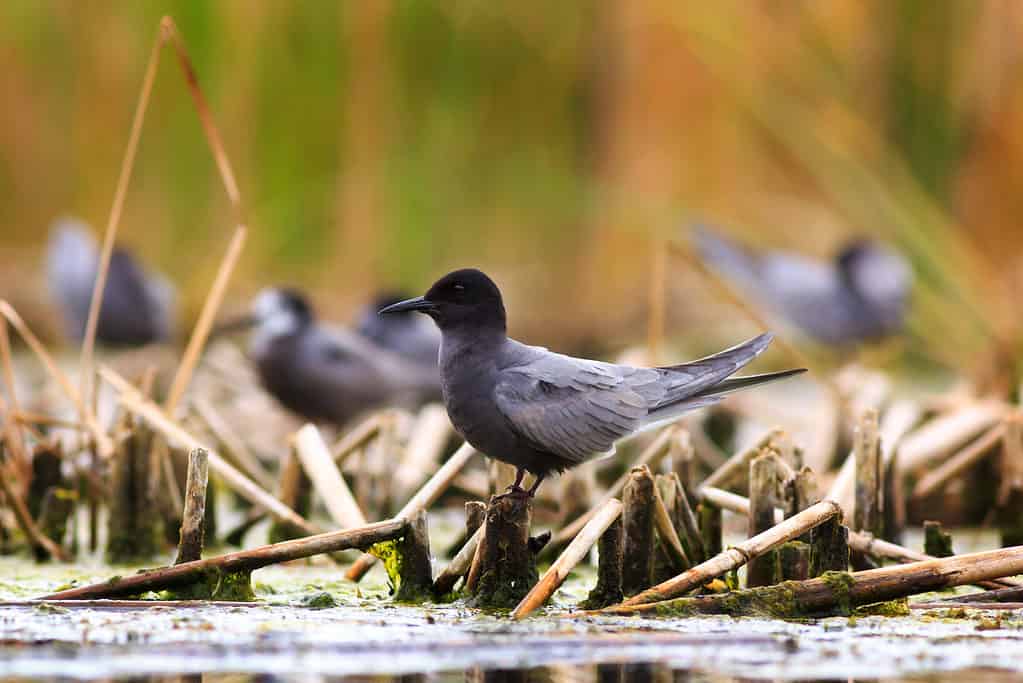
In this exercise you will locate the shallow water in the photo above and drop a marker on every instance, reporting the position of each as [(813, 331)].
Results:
[(367, 635)]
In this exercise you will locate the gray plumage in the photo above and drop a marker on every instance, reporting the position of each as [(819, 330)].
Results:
[(409, 336), (330, 374), (861, 296), (544, 411), (137, 308)]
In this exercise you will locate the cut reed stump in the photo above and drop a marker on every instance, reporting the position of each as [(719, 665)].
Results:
[(763, 570), (740, 554), (867, 516), (244, 561), (829, 547), (610, 555), (505, 564), (1009, 514), (937, 542), (711, 531), (408, 561), (295, 491), (576, 550), (193, 527), (58, 504), (134, 530), (638, 518), (837, 591)]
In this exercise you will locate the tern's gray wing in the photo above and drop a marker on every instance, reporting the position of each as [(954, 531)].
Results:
[(578, 408)]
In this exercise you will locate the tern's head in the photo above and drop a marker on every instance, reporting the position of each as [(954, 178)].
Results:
[(464, 298)]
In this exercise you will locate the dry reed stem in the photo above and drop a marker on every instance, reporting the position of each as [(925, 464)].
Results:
[(232, 442), (653, 453), (27, 524), (103, 443), (193, 516), (666, 530), (739, 554), (158, 420), (948, 432), (326, 479), (572, 555), (358, 437), (17, 440), (459, 564), (959, 463), (737, 465), (430, 434), (424, 498)]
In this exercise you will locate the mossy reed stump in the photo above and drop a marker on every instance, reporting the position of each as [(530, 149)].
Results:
[(193, 519), (763, 499), (1009, 510), (867, 514), (415, 571), (829, 547), (505, 567), (638, 520), (937, 542), (47, 459), (57, 507), (135, 526), (711, 528), (610, 548)]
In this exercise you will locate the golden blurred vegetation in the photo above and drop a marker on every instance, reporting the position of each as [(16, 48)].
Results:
[(557, 147)]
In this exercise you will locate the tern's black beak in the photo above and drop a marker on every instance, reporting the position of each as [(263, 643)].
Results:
[(417, 304), (239, 324)]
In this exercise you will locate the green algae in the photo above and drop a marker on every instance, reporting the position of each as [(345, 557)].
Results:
[(891, 608), (391, 556), (841, 584), (215, 584), (318, 600)]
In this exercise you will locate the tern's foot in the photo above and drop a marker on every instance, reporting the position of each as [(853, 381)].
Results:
[(514, 491)]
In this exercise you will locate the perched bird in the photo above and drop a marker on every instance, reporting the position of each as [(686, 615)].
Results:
[(137, 308), (324, 373), (545, 412), (410, 336), (861, 296)]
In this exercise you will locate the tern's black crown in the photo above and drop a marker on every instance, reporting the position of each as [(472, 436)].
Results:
[(466, 298)]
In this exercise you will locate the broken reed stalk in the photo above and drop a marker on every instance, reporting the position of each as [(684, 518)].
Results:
[(190, 541), (576, 551), (28, 525), (415, 570), (1009, 500), (867, 454), (948, 432), (740, 554), (610, 557), (668, 534), (295, 491), (423, 499), (243, 561), (430, 434), (459, 565), (639, 520), (683, 459), (505, 566), (326, 479), (152, 414), (711, 532), (693, 540), (650, 456), (16, 438), (738, 464), (844, 591), (232, 443), (935, 479), (937, 542), (764, 478), (104, 445)]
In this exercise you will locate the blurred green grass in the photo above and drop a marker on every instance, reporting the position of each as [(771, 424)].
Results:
[(381, 143)]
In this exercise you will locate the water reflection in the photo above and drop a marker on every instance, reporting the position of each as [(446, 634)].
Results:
[(629, 672)]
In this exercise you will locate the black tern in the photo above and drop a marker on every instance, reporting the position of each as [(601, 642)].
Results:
[(410, 336), (861, 296), (545, 412), (323, 373), (136, 308)]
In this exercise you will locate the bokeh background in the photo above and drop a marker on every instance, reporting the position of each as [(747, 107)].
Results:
[(560, 147)]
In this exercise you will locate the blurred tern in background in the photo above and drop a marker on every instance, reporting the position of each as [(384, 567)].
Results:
[(860, 296)]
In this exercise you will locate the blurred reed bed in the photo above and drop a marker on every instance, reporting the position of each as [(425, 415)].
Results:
[(381, 143)]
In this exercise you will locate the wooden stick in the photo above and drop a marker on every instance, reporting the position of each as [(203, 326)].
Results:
[(738, 464), (576, 551), (233, 443), (243, 561), (948, 432), (103, 443), (737, 555), (763, 569), (424, 498), (133, 401), (935, 479), (653, 453), (326, 479), (190, 541), (797, 598)]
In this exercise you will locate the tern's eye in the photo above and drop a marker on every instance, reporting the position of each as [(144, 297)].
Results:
[(459, 287)]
